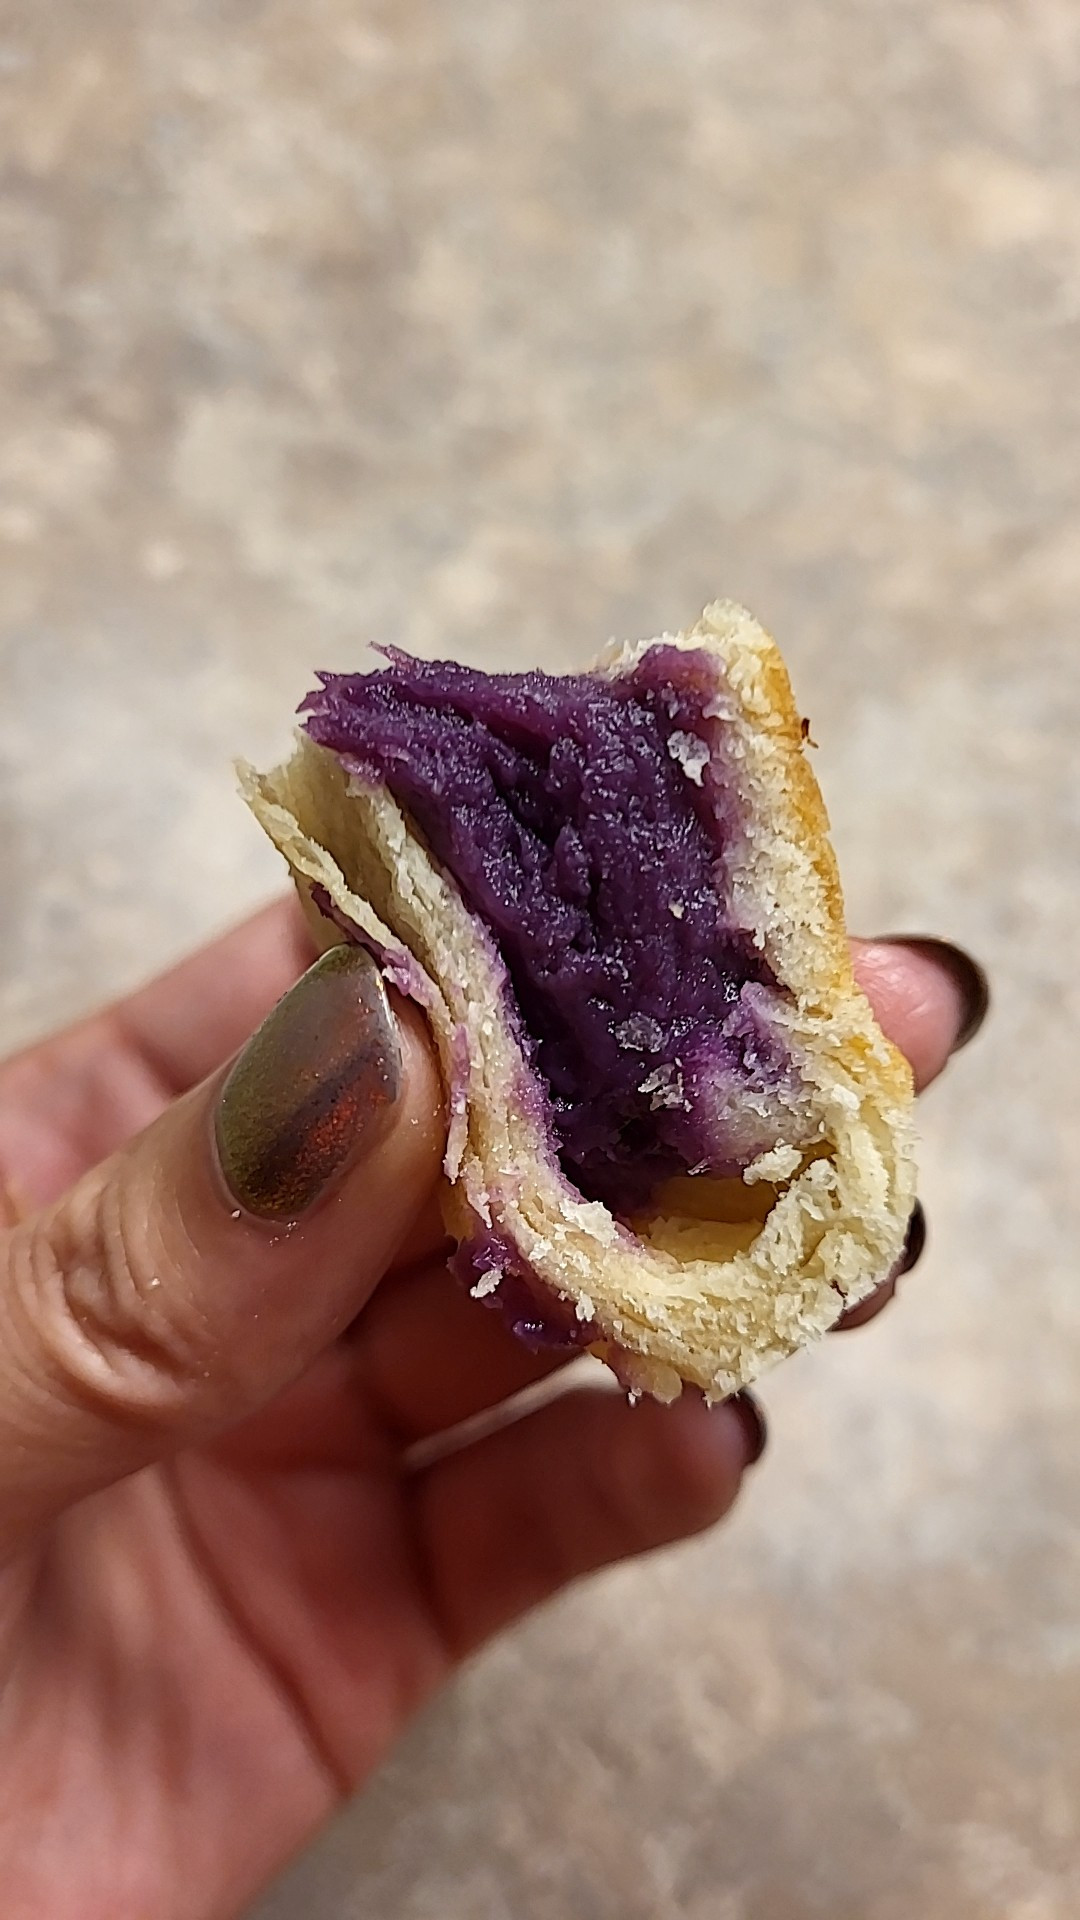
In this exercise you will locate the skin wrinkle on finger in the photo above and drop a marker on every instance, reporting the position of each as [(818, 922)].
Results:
[(96, 1348), (149, 1318)]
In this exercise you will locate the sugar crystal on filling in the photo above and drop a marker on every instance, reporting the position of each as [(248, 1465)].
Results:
[(585, 821)]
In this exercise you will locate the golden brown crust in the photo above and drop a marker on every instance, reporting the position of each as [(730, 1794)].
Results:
[(685, 1297)]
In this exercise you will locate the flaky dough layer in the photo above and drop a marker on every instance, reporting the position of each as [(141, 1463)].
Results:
[(712, 1301)]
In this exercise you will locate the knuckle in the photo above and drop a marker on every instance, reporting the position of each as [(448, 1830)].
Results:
[(100, 1315)]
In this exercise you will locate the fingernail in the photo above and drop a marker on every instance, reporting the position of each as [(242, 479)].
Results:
[(313, 1090), (869, 1308), (752, 1420), (967, 976), (915, 1241)]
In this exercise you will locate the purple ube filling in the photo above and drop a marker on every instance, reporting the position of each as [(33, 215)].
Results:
[(495, 1273), (568, 812)]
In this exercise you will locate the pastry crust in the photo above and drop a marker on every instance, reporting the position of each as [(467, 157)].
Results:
[(686, 1296)]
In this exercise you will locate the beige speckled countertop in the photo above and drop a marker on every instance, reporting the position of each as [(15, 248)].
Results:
[(499, 328)]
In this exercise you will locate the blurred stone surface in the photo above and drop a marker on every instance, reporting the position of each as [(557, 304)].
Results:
[(496, 329)]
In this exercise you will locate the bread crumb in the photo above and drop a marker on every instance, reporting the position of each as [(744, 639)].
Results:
[(778, 1164), (664, 1086), (640, 1034), (691, 753)]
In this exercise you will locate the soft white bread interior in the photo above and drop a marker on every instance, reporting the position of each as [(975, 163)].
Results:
[(722, 1278)]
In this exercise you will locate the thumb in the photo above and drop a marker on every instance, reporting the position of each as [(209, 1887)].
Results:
[(184, 1282)]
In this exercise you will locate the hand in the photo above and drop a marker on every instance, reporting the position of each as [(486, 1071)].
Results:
[(226, 1578)]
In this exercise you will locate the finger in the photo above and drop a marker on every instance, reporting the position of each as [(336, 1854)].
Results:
[(930, 997), (583, 1482), (185, 1282), (192, 1019), (70, 1100), (428, 1356)]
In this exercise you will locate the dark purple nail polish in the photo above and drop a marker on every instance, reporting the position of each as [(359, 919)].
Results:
[(915, 1242), (752, 1420), (869, 1308)]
